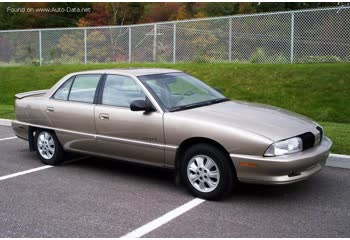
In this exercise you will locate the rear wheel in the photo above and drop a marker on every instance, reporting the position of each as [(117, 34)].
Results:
[(48, 148), (206, 172)]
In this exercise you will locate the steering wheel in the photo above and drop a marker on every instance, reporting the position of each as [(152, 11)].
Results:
[(188, 93)]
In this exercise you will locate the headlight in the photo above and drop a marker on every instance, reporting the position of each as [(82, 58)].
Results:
[(288, 146)]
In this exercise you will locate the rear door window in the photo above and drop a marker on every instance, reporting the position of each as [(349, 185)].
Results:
[(84, 88), (63, 92)]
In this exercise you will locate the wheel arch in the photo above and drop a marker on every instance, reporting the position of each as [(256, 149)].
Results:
[(31, 136), (186, 144)]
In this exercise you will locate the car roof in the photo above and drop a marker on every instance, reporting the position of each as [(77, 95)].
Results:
[(131, 71)]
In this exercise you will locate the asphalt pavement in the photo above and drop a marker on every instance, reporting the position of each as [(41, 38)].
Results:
[(96, 197)]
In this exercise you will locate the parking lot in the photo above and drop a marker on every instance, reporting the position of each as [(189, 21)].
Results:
[(94, 197)]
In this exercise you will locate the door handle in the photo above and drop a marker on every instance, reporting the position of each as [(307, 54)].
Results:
[(104, 116), (50, 109)]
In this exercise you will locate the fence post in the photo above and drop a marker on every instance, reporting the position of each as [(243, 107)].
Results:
[(129, 44), (230, 40), (155, 43), (174, 43), (292, 38), (40, 50), (85, 47)]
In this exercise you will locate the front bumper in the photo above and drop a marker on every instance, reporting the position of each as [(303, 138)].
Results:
[(282, 169)]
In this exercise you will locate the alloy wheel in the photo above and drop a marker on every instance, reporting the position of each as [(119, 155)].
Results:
[(46, 145), (203, 173)]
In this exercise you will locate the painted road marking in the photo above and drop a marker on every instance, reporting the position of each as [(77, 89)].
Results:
[(24, 172), (9, 138), (36, 169), (149, 227)]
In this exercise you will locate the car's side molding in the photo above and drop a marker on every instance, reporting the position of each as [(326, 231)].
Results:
[(136, 142), (102, 137)]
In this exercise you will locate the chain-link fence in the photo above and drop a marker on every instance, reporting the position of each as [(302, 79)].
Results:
[(318, 35)]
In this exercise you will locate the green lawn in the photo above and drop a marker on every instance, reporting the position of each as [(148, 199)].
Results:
[(339, 133), (7, 111), (319, 91)]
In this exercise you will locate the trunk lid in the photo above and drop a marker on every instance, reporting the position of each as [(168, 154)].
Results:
[(30, 94)]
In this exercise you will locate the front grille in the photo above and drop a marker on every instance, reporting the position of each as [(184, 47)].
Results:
[(308, 140)]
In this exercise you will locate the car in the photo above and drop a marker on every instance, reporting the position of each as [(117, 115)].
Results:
[(168, 118)]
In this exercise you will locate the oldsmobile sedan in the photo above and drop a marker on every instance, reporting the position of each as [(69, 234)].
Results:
[(167, 118)]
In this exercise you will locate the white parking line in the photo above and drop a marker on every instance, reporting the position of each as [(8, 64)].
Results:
[(24, 172), (9, 138), (36, 169), (149, 227)]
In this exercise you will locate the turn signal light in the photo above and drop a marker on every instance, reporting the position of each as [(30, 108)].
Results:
[(247, 164)]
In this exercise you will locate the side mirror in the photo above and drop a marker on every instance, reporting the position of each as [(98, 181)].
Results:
[(219, 90), (141, 105)]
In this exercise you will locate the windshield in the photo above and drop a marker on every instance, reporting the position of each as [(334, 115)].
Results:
[(179, 91)]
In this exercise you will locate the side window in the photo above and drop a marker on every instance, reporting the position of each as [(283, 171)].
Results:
[(120, 91), (84, 88), (63, 91)]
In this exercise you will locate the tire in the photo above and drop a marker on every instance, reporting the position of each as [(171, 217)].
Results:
[(211, 180), (49, 150)]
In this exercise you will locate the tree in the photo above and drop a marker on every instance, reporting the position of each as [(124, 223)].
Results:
[(158, 12), (39, 19), (113, 13), (121, 13), (126, 13), (213, 9), (246, 7), (182, 13), (13, 20), (287, 6), (99, 16), (64, 19)]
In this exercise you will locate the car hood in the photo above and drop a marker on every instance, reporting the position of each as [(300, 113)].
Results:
[(270, 122)]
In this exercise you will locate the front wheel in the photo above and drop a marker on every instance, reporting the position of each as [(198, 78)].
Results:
[(206, 172), (48, 148)]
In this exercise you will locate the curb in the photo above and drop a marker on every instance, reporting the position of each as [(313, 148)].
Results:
[(5, 122), (340, 156), (338, 160), (334, 160)]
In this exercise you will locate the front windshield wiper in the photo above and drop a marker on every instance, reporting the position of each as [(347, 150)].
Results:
[(219, 100), (200, 104)]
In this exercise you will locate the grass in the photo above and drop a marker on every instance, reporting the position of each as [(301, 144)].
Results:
[(319, 91), (7, 111), (339, 133)]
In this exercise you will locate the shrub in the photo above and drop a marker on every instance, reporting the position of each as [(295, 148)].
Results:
[(6, 50), (320, 59), (281, 59), (259, 56)]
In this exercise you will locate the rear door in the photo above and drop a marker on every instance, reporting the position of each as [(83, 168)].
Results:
[(71, 110), (125, 134)]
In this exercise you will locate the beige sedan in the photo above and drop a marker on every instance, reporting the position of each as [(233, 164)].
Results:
[(167, 118)]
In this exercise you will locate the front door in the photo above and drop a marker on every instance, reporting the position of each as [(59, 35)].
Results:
[(125, 134)]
